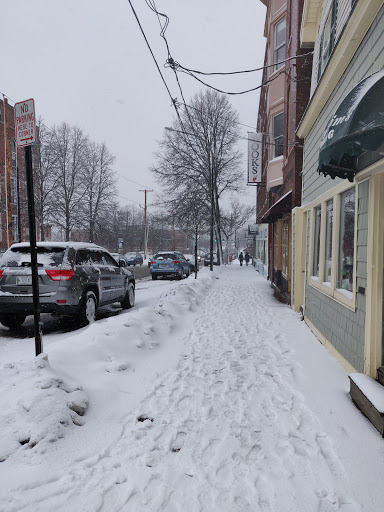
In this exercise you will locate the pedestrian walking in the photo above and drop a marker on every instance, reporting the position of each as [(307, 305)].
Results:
[(241, 257), (247, 258)]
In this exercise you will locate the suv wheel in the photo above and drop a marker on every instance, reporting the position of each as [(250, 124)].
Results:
[(129, 300), (12, 321), (87, 313)]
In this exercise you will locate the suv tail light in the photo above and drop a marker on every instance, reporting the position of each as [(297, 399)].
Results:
[(152, 262), (60, 275), (1, 273), (176, 262)]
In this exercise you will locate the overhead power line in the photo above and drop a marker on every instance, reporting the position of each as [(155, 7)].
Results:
[(239, 72), (175, 66), (153, 56)]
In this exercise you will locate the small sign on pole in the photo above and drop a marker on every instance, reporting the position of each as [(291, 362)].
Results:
[(25, 123)]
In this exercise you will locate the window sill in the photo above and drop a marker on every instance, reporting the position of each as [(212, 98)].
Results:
[(343, 297), (276, 72)]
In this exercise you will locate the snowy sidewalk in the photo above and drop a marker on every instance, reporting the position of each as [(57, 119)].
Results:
[(254, 417)]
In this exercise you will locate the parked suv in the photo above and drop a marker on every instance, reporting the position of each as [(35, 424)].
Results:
[(74, 279), (169, 263)]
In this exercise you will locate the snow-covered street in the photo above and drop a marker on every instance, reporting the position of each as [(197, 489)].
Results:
[(208, 396)]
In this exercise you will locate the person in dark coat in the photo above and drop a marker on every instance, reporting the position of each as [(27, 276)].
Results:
[(247, 258), (241, 257)]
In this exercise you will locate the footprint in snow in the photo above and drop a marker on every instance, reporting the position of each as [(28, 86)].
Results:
[(178, 442)]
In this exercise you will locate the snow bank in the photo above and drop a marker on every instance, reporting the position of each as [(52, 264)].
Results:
[(37, 406), (113, 361)]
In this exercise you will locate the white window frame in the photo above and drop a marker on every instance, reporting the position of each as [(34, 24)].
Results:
[(277, 47), (275, 145), (326, 287), (325, 49)]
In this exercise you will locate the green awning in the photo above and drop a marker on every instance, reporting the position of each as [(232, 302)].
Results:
[(354, 135)]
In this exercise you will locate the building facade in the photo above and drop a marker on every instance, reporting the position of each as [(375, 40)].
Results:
[(338, 232), (284, 96)]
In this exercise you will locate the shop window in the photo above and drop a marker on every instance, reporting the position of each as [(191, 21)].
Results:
[(316, 241), (279, 52), (275, 245), (333, 246), (278, 135), (346, 241), (285, 247), (328, 241)]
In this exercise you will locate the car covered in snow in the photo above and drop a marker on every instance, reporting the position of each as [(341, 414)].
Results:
[(74, 280), (169, 263)]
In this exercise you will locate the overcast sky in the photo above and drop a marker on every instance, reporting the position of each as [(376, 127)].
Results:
[(86, 62)]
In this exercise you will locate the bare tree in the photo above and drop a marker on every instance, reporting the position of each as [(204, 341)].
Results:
[(45, 178), (100, 186), (69, 147), (200, 153)]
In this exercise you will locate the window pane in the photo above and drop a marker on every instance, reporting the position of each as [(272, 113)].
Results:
[(328, 241), (347, 240), (279, 53), (278, 135), (316, 241), (280, 56), (276, 244)]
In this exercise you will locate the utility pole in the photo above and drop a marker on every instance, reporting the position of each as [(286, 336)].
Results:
[(145, 221), (8, 166)]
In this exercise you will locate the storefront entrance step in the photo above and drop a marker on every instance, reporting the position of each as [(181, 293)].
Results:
[(368, 396), (380, 375)]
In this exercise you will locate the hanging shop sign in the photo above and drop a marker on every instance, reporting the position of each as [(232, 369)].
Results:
[(255, 145)]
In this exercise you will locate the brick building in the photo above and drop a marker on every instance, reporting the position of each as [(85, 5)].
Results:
[(13, 191), (282, 103)]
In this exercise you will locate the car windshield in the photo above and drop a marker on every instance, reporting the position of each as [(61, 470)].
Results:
[(165, 256), (130, 255), (21, 257)]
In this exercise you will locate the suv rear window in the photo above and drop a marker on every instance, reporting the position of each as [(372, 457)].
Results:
[(165, 256), (21, 257)]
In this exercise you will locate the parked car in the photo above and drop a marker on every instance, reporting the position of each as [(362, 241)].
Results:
[(207, 260), (169, 263), (134, 258), (74, 280), (119, 257), (191, 260)]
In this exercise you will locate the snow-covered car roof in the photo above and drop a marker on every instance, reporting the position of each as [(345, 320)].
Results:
[(75, 245)]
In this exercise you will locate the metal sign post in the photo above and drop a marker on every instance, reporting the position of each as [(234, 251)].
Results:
[(25, 124)]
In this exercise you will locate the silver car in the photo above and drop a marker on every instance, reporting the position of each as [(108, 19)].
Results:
[(74, 279)]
